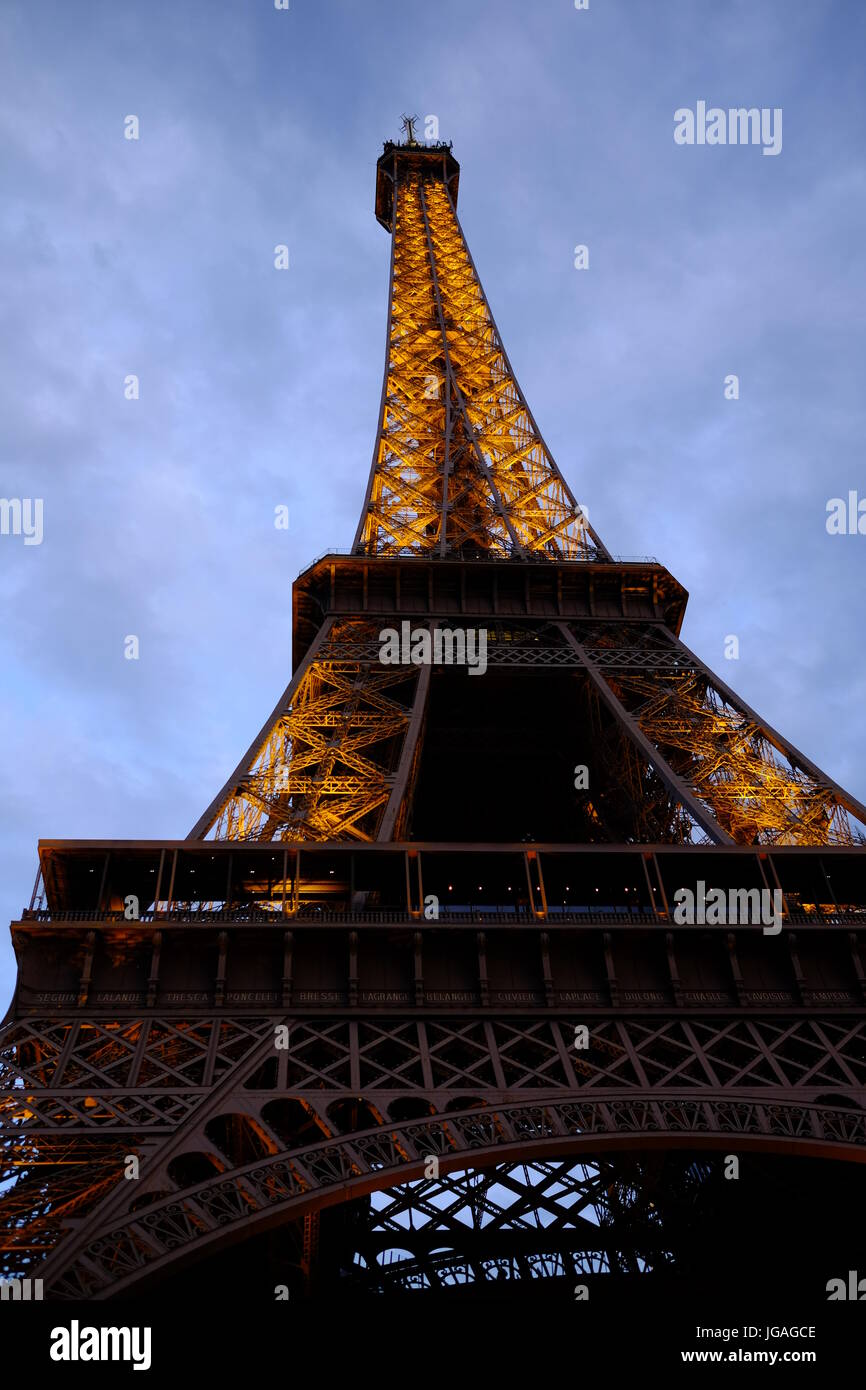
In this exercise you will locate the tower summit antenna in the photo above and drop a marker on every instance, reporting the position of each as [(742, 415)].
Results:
[(407, 124)]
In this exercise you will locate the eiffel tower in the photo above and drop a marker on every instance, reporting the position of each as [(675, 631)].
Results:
[(414, 1007)]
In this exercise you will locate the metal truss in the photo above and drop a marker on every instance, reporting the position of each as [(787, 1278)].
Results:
[(544, 1219), (756, 786), (460, 466), (153, 1079), (76, 1097), (631, 801), (326, 765), (686, 758), (507, 644), (227, 1127), (289, 1182)]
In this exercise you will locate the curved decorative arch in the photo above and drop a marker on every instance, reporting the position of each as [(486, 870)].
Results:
[(215, 1213)]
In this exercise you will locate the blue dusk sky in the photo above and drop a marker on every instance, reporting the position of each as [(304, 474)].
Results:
[(258, 387)]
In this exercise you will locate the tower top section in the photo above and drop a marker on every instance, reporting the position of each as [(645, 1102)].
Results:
[(432, 162), (459, 467)]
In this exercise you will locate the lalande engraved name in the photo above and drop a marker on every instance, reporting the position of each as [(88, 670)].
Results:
[(444, 647), (738, 907)]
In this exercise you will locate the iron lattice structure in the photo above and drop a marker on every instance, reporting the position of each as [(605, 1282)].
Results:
[(461, 471), (300, 902), (460, 466)]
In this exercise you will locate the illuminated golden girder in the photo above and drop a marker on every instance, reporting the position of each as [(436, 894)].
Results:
[(460, 467), (325, 768), (756, 793), (57, 1180)]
